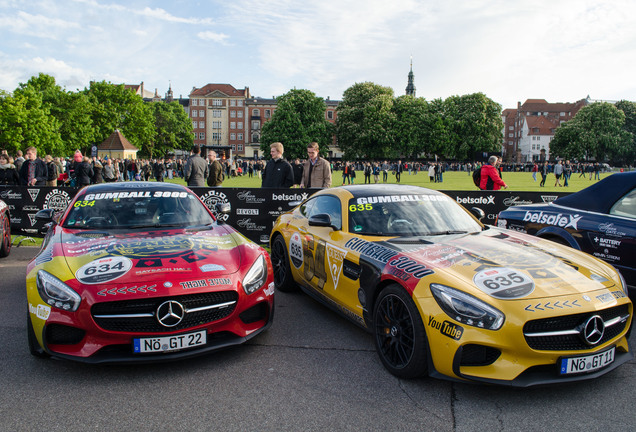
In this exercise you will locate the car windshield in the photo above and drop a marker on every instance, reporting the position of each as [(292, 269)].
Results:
[(142, 209), (409, 215)]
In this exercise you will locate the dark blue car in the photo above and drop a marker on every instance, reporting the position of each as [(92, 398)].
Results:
[(599, 220)]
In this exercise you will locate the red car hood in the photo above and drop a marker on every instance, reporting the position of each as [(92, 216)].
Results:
[(101, 258)]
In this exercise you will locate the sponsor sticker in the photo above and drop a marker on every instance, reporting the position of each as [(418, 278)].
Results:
[(446, 328), (269, 291), (560, 220), (212, 267), (41, 311), (296, 250), (103, 270), (504, 283), (335, 258)]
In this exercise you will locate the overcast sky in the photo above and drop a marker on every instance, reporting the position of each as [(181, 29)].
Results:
[(510, 50)]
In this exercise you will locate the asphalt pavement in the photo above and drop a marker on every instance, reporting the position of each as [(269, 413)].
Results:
[(311, 371)]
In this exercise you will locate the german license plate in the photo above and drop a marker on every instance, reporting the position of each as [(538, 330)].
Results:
[(588, 363), (162, 344)]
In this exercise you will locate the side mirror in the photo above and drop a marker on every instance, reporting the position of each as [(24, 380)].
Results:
[(223, 208), (320, 220), (478, 213), (45, 215)]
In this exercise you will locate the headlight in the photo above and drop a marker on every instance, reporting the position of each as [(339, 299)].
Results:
[(467, 309), (623, 283), (56, 293), (256, 276)]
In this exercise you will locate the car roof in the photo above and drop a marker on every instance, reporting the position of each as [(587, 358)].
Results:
[(127, 186), (386, 189), (600, 196)]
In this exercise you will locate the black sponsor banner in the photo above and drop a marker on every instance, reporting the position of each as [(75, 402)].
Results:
[(492, 202), (253, 210)]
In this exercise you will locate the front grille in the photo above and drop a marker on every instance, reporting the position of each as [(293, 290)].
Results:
[(478, 355), (571, 342), (59, 334), (103, 312)]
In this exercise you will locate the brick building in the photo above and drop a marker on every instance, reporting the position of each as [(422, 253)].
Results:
[(529, 129)]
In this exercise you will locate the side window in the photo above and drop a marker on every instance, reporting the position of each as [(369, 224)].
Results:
[(626, 206), (305, 208), (329, 205)]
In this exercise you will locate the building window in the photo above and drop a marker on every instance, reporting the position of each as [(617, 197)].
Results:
[(201, 135), (217, 102), (510, 135), (194, 113), (330, 115), (216, 125), (233, 114), (255, 137), (239, 137), (216, 136), (256, 124), (194, 102), (194, 124), (239, 114), (239, 125), (232, 102), (256, 113), (239, 103), (202, 125), (216, 113), (240, 147), (201, 102), (202, 113), (233, 136), (232, 125), (233, 147), (268, 113)]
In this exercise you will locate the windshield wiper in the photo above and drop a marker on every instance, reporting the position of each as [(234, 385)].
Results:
[(205, 227), (447, 232)]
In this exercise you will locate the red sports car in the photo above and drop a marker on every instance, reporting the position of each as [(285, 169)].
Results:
[(5, 230), (139, 272)]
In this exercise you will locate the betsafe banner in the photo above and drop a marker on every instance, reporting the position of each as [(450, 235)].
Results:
[(253, 210)]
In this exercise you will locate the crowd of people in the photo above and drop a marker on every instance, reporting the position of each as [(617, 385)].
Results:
[(200, 170)]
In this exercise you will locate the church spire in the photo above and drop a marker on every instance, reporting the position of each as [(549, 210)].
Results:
[(410, 87)]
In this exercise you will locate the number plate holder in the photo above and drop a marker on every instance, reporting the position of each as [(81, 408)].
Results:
[(586, 363), (166, 344)]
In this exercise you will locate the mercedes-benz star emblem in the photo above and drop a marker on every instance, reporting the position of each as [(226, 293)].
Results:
[(593, 330), (170, 313)]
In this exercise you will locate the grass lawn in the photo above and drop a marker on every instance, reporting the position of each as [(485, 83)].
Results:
[(452, 181)]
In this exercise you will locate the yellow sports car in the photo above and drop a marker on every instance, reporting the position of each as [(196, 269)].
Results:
[(444, 294)]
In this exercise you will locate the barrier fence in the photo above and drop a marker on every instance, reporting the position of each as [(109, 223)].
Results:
[(253, 210)]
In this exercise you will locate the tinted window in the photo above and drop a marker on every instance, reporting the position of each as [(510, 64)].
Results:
[(328, 205), (125, 209), (625, 206)]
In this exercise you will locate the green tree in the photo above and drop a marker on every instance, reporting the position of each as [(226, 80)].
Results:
[(596, 131), (25, 121), (116, 108), (71, 110), (299, 119), (174, 128), (413, 125), (629, 109), (366, 122), (473, 124)]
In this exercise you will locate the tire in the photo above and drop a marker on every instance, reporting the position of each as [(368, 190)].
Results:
[(400, 339), (5, 241), (283, 279), (34, 347)]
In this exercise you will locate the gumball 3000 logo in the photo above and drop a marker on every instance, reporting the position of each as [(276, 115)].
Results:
[(57, 200), (211, 199)]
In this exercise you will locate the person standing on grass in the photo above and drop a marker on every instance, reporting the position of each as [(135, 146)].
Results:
[(278, 173), (558, 172), (490, 178)]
